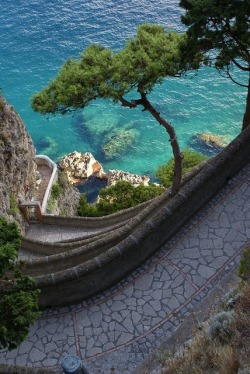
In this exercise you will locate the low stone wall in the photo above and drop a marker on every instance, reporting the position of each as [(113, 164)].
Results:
[(91, 222), (45, 160), (119, 257), (52, 248)]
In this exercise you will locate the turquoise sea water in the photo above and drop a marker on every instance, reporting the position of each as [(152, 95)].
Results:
[(36, 37)]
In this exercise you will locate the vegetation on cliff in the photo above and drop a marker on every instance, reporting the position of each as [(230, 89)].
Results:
[(119, 196), (18, 292), (123, 194), (221, 344), (165, 172)]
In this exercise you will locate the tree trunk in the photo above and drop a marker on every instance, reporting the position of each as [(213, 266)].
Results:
[(174, 144), (170, 130), (246, 118)]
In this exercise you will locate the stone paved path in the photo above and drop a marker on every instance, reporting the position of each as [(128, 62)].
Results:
[(52, 233), (115, 331)]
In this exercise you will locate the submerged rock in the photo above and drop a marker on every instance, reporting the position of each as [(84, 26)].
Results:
[(78, 166), (118, 175), (48, 146), (119, 142), (97, 122), (209, 143)]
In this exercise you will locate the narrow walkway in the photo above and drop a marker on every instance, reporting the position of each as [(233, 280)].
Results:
[(45, 172), (57, 233), (115, 331)]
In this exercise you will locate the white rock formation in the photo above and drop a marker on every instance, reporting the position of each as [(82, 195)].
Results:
[(118, 175), (78, 166)]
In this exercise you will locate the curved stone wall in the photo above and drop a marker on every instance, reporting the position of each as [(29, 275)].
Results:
[(93, 266), (45, 160)]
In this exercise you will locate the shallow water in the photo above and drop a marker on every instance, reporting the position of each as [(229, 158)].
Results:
[(37, 37)]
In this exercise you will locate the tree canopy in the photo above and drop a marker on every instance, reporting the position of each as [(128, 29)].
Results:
[(18, 292), (149, 57), (119, 196), (220, 29), (146, 59), (191, 158)]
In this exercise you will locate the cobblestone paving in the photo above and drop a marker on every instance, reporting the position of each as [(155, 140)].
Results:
[(115, 331)]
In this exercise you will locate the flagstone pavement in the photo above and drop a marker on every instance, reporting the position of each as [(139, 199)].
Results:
[(116, 331)]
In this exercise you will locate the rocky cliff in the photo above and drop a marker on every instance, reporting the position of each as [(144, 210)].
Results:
[(17, 165)]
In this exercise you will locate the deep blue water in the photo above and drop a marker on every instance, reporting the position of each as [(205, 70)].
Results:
[(37, 36)]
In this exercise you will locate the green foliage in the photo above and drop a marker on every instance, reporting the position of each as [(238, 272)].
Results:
[(147, 58), (19, 309), (63, 180), (56, 191), (10, 241), (117, 197), (13, 205), (18, 292), (244, 267), (165, 173), (220, 327), (51, 205), (85, 209), (162, 355), (221, 28)]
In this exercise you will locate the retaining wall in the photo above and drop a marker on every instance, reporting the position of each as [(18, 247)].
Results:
[(45, 160), (119, 257), (94, 222)]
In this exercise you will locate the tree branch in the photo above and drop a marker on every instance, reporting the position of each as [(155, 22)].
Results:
[(244, 68), (228, 75), (126, 103)]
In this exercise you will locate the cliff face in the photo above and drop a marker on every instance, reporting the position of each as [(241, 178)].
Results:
[(17, 165)]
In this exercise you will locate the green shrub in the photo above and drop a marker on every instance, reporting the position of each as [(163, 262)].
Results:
[(120, 196), (10, 241), (63, 180), (56, 191), (13, 205), (85, 209), (18, 292), (165, 173), (51, 205), (244, 267), (221, 326)]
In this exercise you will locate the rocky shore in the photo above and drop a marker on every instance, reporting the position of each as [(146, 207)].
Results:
[(78, 167)]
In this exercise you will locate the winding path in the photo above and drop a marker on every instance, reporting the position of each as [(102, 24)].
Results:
[(115, 331), (45, 172)]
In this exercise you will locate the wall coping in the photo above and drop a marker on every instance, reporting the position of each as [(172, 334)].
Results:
[(40, 160)]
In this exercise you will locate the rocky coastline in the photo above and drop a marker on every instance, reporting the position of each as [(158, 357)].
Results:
[(18, 169), (78, 167)]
